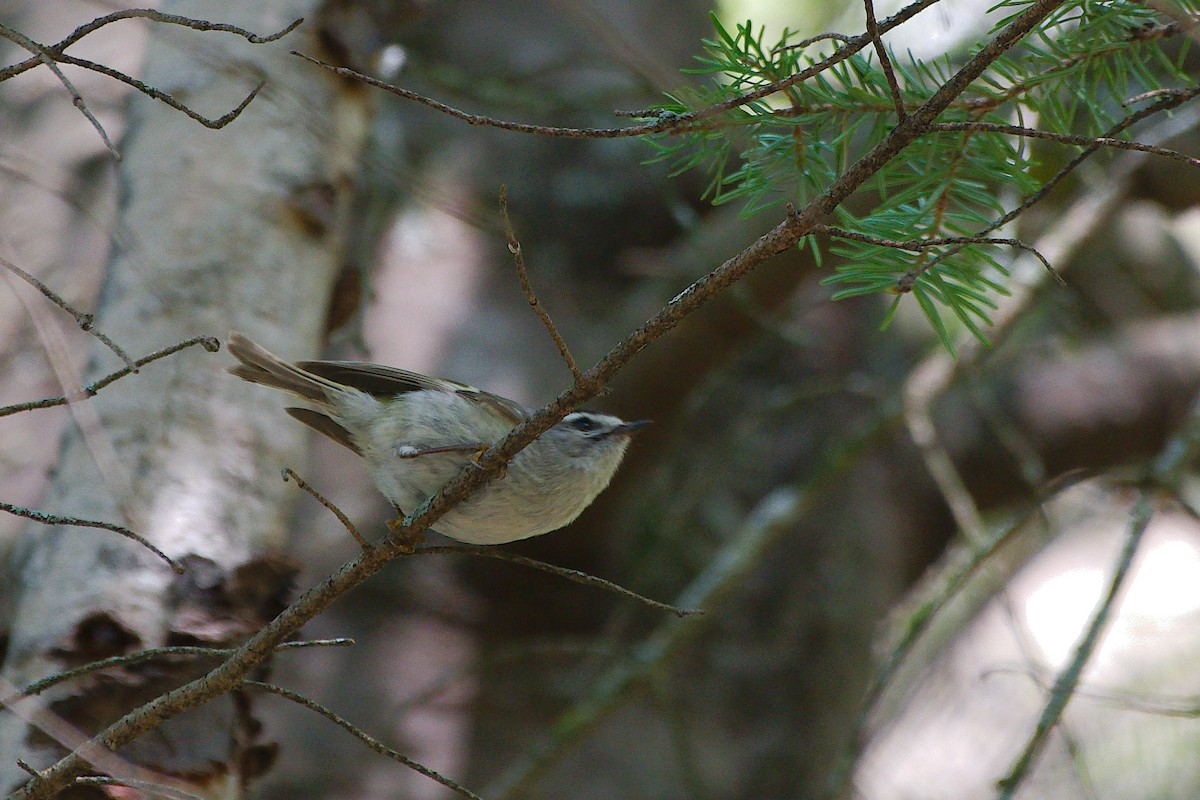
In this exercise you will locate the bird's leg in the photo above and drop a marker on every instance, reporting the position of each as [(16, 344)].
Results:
[(410, 451), (476, 452), (406, 541)]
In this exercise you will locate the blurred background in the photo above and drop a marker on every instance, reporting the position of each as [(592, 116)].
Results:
[(782, 459)]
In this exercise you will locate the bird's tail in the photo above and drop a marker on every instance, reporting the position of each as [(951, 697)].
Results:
[(259, 365)]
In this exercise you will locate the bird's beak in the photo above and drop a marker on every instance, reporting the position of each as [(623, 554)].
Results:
[(630, 427)]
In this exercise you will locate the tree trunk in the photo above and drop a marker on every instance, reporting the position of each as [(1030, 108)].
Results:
[(237, 228)]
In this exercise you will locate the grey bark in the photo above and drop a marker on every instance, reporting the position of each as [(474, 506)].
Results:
[(238, 228)]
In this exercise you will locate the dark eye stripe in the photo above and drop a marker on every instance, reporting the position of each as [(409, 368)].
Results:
[(584, 424)]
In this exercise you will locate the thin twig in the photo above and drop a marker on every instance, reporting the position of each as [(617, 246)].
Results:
[(941, 241), (214, 123), (775, 514), (1166, 103), (885, 63), (129, 659), (86, 322), (209, 343), (925, 383), (477, 119), (1066, 138), (514, 247), (287, 472), (563, 572), (1163, 705), (365, 738), (44, 56), (664, 121), (55, 519), (820, 37)]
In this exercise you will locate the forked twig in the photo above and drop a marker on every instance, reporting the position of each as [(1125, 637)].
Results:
[(52, 55), (514, 247), (43, 55)]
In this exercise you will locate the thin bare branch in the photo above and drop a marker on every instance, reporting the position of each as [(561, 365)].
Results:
[(918, 245), (811, 40), (1162, 705), (362, 736), (287, 472), (86, 322), (563, 572), (1169, 101), (129, 659), (674, 121), (1064, 138), (209, 343), (923, 386), (885, 63), (55, 519), (514, 247), (664, 121), (214, 123)]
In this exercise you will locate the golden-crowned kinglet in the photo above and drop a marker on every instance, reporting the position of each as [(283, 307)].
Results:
[(417, 432)]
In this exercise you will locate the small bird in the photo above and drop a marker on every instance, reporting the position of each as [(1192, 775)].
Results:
[(416, 433)]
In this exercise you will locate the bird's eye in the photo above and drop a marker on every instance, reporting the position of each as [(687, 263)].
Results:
[(583, 424)]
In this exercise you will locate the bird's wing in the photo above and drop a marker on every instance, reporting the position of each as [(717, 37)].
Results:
[(387, 382)]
